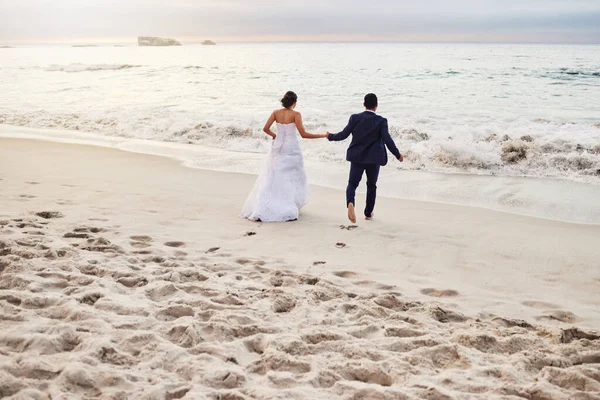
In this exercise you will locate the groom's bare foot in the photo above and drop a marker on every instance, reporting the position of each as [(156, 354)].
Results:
[(351, 213), (370, 217)]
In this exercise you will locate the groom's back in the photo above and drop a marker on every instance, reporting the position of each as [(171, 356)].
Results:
[(368, 126), (367, 144)]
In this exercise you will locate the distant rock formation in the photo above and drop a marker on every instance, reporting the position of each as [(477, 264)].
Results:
[(208, 43), (157, 41)]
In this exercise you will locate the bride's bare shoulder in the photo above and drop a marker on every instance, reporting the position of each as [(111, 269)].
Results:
[(280, 112)]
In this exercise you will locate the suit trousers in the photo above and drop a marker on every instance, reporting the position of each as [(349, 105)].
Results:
[(356, 173)]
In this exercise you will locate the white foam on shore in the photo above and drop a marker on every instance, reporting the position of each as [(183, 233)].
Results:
[(534, 148), (561, 200)]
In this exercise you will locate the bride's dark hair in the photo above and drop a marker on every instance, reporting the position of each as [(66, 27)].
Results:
[(289, 99)]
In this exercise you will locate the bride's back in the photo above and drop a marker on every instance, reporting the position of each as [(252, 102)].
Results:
[(285, 116)]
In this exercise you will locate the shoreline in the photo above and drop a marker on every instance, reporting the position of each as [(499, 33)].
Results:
[(508, 194), (130, 275)]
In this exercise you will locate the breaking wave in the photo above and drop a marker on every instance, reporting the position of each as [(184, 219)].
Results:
[(539, 155)]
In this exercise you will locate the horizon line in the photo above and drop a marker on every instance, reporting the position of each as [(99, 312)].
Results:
[(192, 39), (199, 42)]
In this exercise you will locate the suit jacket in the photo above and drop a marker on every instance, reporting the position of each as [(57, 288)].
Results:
[(370, 136)]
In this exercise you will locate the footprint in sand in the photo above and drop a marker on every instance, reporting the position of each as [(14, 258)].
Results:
[(383, 286), (102, 245), (140, 242), (439, 293), (276, 281), (340, 245), (212, 250), (22, 225), (366, 372), (28, 242), (541, 305), (559, 315), (568, 335), (10, 299), (32, 183), (283, 303), (90, 298), (244, 261), (133, 281), (365, 283), (250, 233), (319, 263), (161, 293), (140, 245), (308, 280), (27, 196), (369, 332), (49, 214), (509, 323), (155, 259), (348, 227), (74, 235), (174, 244), (88, 229), (142, 252), (141, 238), (444, 315), (376, 285), (345, 274)]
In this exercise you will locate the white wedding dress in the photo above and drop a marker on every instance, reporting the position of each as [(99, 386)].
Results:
[(281, 189)]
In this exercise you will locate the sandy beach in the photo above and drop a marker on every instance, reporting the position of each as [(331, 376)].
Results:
[(129, 276)]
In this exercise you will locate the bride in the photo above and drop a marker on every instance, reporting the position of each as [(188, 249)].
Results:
[(281, 188)]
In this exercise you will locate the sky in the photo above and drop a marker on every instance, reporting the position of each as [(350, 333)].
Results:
[(73, 21)]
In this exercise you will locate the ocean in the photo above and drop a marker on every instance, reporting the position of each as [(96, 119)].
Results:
[(510, 127)]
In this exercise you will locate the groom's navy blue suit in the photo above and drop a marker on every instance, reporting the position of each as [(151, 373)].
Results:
[(366, 153)]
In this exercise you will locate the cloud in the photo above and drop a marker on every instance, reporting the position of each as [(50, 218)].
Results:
[(562, 20)]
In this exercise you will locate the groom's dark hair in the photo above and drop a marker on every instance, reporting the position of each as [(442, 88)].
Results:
[(370, 101)]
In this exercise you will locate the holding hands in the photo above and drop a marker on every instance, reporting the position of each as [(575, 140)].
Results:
[(319, 136)]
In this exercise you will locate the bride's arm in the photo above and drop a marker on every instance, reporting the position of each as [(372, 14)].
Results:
[(267, 128), (303, 132)]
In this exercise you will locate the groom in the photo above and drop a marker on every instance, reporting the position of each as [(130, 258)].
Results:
[(366, 152)]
